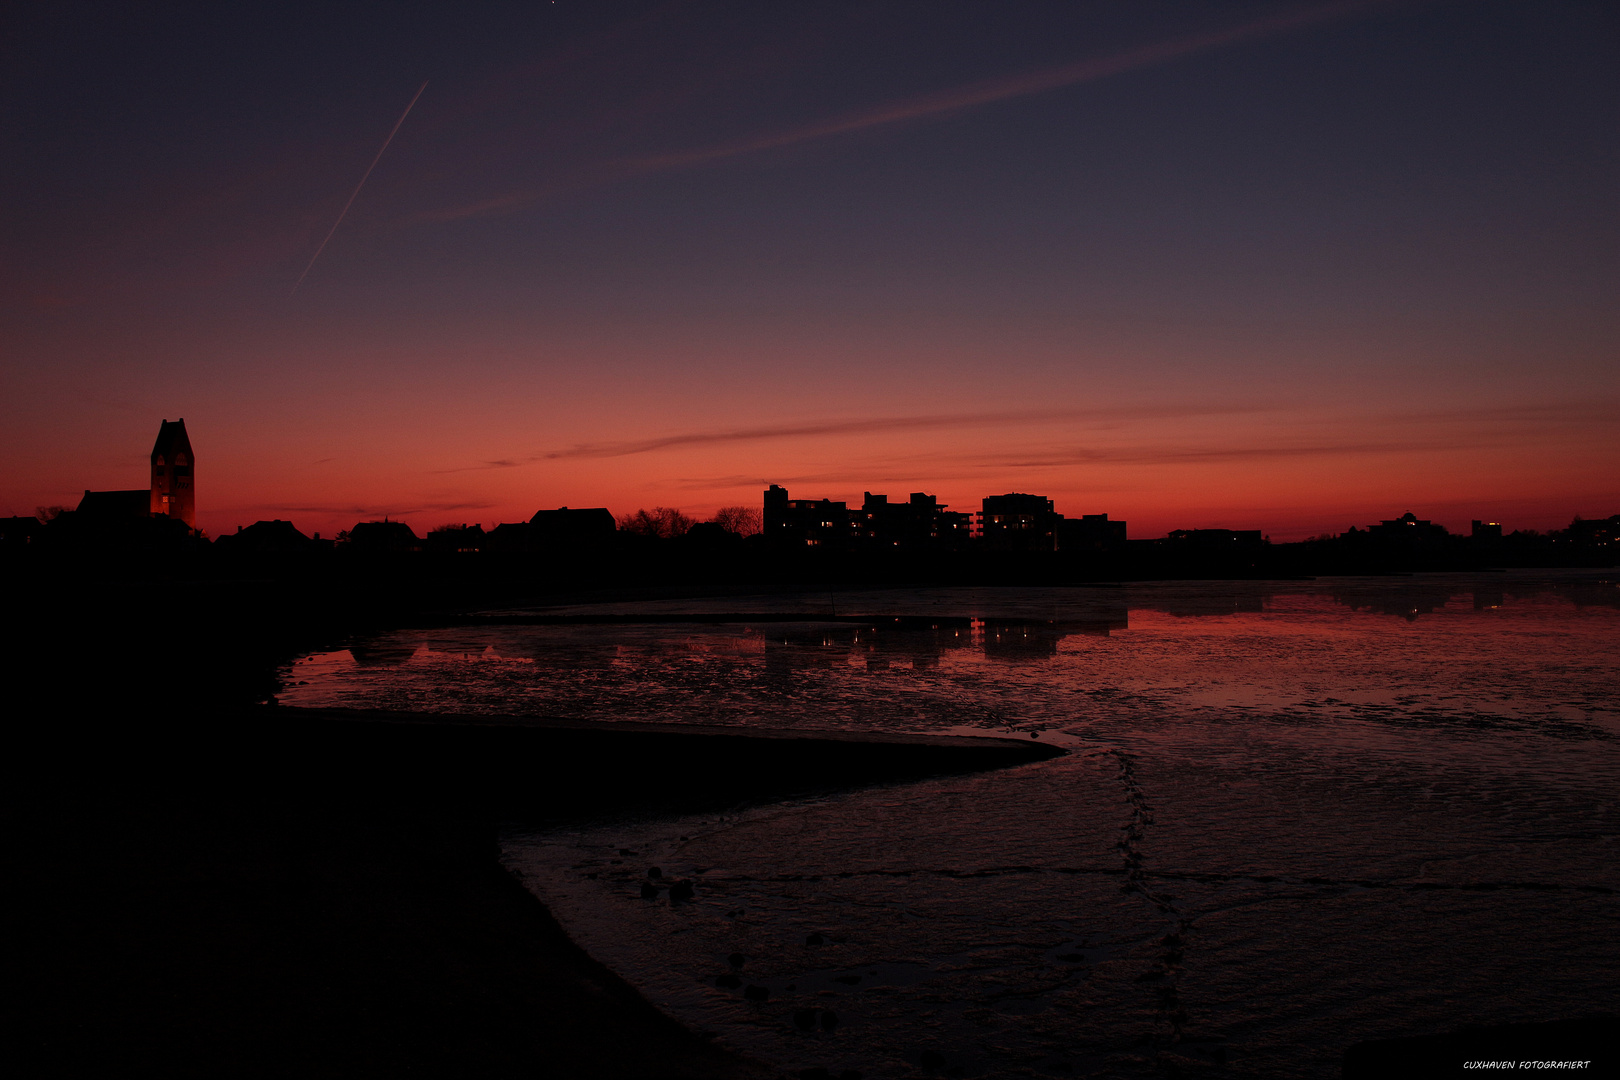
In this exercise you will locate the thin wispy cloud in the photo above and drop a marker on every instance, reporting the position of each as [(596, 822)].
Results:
[(1481, 429), (1211, 455), (377, 510), (1006, 88), (496, 204), (1597, 411), (945, 468), (949, 469), (864, 426), (866, 479), (928, 106)]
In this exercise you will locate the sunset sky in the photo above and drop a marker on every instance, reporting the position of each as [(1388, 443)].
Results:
[(1273, 265)]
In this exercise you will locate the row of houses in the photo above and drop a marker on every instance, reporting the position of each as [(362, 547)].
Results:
[(1010, 522)]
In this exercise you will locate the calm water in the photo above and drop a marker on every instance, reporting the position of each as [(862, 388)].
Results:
[(1293, 817)]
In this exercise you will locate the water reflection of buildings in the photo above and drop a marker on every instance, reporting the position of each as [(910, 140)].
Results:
[(1032, 639), (1412, 600), (918, 641), (921, 642)]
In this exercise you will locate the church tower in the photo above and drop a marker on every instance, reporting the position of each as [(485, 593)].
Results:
[(174, 493)]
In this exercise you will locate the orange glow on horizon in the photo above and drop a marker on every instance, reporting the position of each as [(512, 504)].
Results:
[(1282, 471)]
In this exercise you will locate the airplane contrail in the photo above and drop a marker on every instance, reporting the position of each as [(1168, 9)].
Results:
[(357, 188)]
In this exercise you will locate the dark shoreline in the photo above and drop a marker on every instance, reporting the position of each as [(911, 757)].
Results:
[(274, 891)]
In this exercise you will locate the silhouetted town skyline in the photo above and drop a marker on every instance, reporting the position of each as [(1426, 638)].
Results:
[(1006, 525)]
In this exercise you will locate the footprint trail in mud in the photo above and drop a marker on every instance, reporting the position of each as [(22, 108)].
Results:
[(1173, 944)]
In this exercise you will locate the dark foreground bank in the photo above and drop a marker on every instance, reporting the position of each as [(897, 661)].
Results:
[(208, 888), (273, 892)]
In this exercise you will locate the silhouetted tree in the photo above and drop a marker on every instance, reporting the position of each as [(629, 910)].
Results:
[(741, 520), (662, 522), (48, 514)]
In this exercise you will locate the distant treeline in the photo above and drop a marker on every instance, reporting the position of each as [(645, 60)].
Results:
[(590, 548)]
